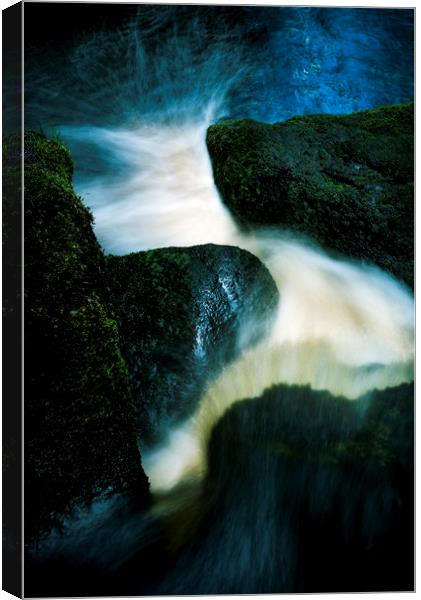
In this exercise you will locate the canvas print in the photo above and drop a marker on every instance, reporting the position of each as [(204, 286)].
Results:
[(218, 298)]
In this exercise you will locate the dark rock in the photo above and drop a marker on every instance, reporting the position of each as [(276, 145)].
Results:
[(345, 181), (306, 492), (80, 441), (11, 367), (179, 312)]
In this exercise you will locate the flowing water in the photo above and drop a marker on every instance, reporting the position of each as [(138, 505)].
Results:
[(338, 325), (143, 168), (337, 328), (137, 129)]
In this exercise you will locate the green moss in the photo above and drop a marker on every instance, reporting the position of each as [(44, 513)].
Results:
[(300, 425), (80, 438), (344, 180), (177, 324), (329, 477)]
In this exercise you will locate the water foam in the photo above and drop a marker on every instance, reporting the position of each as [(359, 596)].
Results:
[(341, 326)]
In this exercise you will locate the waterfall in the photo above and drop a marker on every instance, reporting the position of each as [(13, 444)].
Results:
[(341, 326), (137, 130)]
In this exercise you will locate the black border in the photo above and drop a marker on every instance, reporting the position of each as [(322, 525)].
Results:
[(12, 311)]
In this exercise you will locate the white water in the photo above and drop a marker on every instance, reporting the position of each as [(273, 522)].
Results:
[(166, 195), (341, 326)]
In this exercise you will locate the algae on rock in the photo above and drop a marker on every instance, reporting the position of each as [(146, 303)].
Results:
[(180, 312), (346, 181), (316, 491), (79, 419)]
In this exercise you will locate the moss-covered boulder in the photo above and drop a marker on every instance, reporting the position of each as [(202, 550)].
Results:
[(80, 438), (345, 181), (306, 492), (179, 312)]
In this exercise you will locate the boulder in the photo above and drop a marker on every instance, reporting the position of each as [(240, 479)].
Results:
[(182, 314), (346, 181), (305, 493), (80, 441)]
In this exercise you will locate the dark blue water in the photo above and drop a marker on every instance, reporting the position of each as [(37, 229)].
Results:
[(268, 63), (123, 67), (332, 60)]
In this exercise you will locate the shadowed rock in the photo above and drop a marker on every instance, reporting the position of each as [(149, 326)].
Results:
[(180, 312), (345, 181), (80, 439), (306, 492)]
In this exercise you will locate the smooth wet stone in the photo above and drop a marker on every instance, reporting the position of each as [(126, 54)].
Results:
[(180, 313)]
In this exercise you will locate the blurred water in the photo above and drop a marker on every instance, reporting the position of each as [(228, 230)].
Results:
[(340, 326), (281, 61), (133, 103)]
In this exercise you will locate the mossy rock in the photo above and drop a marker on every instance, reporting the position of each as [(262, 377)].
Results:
[(80, 440), (322, 486), (345, 181), (309, 493), (180, 312)]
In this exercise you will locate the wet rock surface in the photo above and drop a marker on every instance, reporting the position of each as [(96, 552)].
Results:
[(80, 439), (306, 492), (179, 312), (345, 181)]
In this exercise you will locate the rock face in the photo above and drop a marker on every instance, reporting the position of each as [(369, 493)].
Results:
[(80, 438), (345, 181), (179, 312), (306, 492)]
